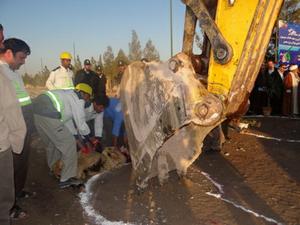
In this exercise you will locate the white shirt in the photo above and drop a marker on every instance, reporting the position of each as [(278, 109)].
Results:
[(60, 78), (90, 114), (12, 75), (281, 74)]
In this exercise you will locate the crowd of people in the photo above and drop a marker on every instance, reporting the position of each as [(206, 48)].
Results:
[(276, 90), (73, 114)]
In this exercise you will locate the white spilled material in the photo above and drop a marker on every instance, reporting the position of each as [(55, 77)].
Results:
[(277, 117), (85, 198), (243, 208), (219, 196), (219, 186), (269, 138)]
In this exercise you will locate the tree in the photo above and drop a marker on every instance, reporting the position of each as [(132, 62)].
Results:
[(150, 52), (121, 56), (27, 79), (43, 76), (77, 64), (108, 58), (94, 63), (290, 11), (100, 63), (135, 52)]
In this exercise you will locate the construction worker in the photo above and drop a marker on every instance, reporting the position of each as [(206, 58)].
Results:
[(13, 130), (12, 57), (62, 76), (94, 117), (59, 117)]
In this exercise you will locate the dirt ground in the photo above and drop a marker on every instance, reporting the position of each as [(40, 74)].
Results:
[(253, 180)]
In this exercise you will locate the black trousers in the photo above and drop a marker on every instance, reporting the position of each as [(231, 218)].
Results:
[(107, 139), (21, 160), (21, 165), (276, 104), (7, 194)]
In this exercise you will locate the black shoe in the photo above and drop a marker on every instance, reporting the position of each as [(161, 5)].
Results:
[(17, 213), (25, 194), (70, 182)]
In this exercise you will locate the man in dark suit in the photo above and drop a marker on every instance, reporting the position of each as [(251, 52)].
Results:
[(276, 89)]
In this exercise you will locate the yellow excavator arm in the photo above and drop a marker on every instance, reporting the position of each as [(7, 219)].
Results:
[(167, 111), (245, 27)]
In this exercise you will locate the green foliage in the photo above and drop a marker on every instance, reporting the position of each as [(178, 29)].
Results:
[(39, 79), (121, 56), (135, 51), (107, 61), (150, 52), (94, 63), (100, 63), (77, 64), (27, 79), (108, 58)]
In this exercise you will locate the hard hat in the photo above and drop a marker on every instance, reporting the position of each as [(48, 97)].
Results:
[(65, 55), (85, 88)]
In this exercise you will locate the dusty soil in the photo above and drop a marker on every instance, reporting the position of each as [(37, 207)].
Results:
[(260, 183)]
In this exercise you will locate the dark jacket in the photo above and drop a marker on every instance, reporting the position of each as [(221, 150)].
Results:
[(100, 85), (276, 92), (89, 78)]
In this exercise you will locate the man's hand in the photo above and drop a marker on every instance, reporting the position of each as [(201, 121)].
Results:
[(79, 144), (96, 142)]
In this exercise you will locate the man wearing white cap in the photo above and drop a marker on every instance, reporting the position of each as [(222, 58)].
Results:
[(291, 97)]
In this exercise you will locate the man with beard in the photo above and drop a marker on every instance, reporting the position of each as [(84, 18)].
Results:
[(276, 89), (87, 76), (12, 57)]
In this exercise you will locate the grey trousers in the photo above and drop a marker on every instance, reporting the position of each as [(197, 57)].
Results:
[(60, 144), (7, 190)]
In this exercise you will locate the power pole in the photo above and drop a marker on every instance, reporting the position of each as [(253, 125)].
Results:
[(42, 66), (74, 53), (171, 27)]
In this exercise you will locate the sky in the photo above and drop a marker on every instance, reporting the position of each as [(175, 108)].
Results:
[(52, 26)]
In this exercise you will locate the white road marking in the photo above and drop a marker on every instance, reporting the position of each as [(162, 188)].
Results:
[(219, 196), (85, 198), (268, 137)]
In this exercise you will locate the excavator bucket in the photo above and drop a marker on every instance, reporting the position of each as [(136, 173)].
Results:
[(168, 112)]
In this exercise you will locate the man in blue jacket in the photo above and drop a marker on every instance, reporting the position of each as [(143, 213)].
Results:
[(114, 129)]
